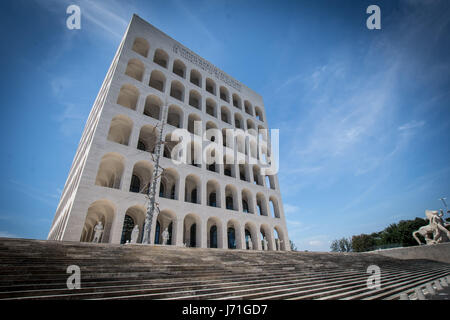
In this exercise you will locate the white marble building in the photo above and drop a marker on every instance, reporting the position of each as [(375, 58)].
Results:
[(226, 204)]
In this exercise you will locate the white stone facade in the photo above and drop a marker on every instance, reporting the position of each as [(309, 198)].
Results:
[(224, 208)]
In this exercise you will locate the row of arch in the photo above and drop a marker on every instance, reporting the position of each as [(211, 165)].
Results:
[(190, 230), (129, 95), (121, 127), (135, 68), (171, 186)]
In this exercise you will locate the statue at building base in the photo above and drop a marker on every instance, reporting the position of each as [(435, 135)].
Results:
[(435, 231)]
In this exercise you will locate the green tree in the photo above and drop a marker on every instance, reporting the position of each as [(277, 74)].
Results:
[(341, 245), (363, 242), (400, 234)]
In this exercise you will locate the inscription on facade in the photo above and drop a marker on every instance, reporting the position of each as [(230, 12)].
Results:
[(205, 65)]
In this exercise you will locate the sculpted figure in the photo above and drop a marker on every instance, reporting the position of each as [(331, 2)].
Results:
[(134, 234), (98, 231), (435, 231), (165, 236), (250, 244), (264, 243)]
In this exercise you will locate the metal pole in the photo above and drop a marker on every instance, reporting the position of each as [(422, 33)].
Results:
[(152, 190)]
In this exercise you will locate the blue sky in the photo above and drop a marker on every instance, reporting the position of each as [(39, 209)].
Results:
[(364, 115)]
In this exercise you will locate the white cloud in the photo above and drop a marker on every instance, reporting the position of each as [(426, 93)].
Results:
[(411, 125)]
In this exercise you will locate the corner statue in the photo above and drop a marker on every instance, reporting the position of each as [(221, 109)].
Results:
[(435, 231), (165, 236), (134, 234), (98, 231)]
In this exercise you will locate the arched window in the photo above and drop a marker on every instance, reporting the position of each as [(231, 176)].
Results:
[(141, 46), (128, 96), (236, 101), (211, 107), (231, 238), (245, 206), (161, 58), (196, 78), (135, 69), (128, 225), (177, 90), (135, 185), (212, 199), (110, 171), (179, 68), (224, 94), (157, 80), (210, 86), (248, 239), (120, 129), (229, 203), (157, 232), (213, 237), (153, 107), (195, 99)]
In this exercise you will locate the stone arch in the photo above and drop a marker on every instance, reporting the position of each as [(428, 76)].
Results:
[(231, 197), (128, 96), (110, 170), (165, 219), (224, 94), (233, 241), (195, 124), (137, 215), (142, 177), (175, 116), (135, 69), (179, 68), (259, 113), (274, 206), (228, 165), (196, 78), (266, 231), (192, 189), (237, 101), (214, 233), (177, 90), (210, 86), (282, 242), (120, 129), (194, 154), (192, 230), (261, 203), (257, 177), (157, 80), (213, 195), (247, 201), (169, 184), (148, 137), (238, 121), (103, 211), (248, 107), (161, 57), (211, 107), (225, 114), (251, 235), (153, 106), (195, 99), (141, 46)]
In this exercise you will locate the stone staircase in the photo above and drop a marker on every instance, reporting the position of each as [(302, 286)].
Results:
[(36, 269)]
